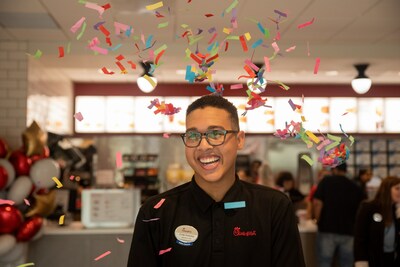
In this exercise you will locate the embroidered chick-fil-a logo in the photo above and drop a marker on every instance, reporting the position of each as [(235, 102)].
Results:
[(238, 232)]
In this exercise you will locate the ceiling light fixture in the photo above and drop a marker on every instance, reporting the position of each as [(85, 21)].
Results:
[(146, 82), (361, 84)]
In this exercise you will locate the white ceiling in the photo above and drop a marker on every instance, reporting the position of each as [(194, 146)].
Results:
[(344, 32)]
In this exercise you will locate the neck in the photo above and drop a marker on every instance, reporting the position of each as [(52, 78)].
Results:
[(216, 190)]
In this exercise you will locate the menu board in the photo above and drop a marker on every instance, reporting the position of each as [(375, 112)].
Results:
[(370, 115), (240, 104), (392, 117), (120, 114), (146, 121), (284, 113), (262, 119), (176, 123), (93, 110), (316, 114), (343, 111)]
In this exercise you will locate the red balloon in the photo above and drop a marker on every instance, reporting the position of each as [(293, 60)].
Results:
[(3, 148), (21, 162), (29, 228), (10, 219), (3, 177)]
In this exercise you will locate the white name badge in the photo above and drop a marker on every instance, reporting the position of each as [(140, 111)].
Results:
[(186, 235)]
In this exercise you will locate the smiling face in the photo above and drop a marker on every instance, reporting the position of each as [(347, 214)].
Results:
[(213, 164)]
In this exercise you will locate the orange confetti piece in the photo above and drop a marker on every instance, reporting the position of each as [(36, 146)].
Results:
[(104, 30), (159, 56), (243, 42)]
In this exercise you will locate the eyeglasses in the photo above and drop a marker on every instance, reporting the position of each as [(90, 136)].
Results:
[(214, 137)]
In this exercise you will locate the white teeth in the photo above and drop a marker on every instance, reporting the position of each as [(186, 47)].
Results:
[(209, 160)]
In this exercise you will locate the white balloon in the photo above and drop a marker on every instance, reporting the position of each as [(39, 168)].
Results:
[(42, 172), (16, 254), (7, 243), (20, 189), (10, 171)]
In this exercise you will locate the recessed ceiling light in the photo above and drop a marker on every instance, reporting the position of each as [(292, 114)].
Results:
[(332, 73)]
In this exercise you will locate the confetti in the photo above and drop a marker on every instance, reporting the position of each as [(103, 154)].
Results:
[(27, 202), (308, 159), (38, 54), (118, 160), (306, 24), (120, 240), (151, 220), (155, 6), (164, 251), (166, 135), (316, 67), (26, 264), (60, 51), (96, 7), (59, 184), (6, 201), (102, 255), (236, 86), (290, 49), (159, 204), (79, 115), (61, 220), (71, 177), (77, 25)]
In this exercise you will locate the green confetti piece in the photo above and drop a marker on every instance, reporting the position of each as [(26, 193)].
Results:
[(68, 47), (232, 6), (351, 138), (308, 159), (38, 54), (334, 138), (26, 264), (266, 33), (194, 40), (162, 25), (331, 145), (232, 37), (161, 48), (82, 31)]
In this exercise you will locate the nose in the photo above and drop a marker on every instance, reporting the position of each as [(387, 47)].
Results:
[(204, 142)]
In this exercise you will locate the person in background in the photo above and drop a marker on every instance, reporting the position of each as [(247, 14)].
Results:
[(286, 183), (216, 219), (244, 175), (377, 229), (309, 199), (364, 176), (335, 205), (255, 166)]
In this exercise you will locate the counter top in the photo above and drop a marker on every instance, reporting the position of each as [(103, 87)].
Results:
[(77, 228)]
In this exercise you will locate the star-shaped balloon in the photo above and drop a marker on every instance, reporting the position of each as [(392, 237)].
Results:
[(34, 139)]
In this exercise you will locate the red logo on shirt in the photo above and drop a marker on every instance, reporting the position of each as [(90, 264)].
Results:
[(237, 232)]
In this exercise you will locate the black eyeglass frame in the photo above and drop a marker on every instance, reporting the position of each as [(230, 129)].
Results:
[(205, 134)]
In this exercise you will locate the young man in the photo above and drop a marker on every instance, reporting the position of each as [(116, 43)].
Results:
[(216, 219)]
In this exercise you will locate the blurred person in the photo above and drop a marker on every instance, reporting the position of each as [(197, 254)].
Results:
[(286, 183), (255, 171), (336, 202), (309, 199), (377, 228), (364, 176), (216, 219), (244, 175)]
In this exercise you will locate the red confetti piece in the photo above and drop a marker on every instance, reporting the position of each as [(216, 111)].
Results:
[(60, 51), (159, 204), (212, 58), (103, 255), (121, 67), (209, 15), (159, 56), (226, 46), (212, 38), (71, 177), (133, 65), (316, 67), (243, 42), (106, 6), (308, 23), (105, 71), (164, 251), (108, 41), (104, 30), (195, 58), (120, 57)]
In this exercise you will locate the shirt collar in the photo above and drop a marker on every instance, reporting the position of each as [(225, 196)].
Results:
[(204, 201)]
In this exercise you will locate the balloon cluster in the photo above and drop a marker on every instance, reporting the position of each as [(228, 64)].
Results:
[(26, 196)]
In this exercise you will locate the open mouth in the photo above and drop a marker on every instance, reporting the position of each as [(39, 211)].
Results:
[(209, 160)]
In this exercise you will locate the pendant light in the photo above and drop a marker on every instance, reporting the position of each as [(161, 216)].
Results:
[(146, 82), (361, 84)]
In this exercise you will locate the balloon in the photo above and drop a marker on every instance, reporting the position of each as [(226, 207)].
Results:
[(10, 219), (7, 243), (45, 154), (15, 254), (29, 228), (44, 204), (3, 177), (3, 148), (10, 170), (34, 139), (21, 162), (20, 189), (43, 171)]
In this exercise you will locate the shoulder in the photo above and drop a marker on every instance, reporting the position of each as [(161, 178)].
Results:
[(261, 192)]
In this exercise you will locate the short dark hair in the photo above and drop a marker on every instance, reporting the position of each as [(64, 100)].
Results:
[(284, 176), (216, 101)]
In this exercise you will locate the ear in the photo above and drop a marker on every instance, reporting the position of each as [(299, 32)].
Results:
[(240, 138)]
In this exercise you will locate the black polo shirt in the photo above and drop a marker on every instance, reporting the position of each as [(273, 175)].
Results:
[(252, 226)]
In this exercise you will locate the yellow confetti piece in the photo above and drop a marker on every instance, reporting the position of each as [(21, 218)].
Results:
[(61, 220), (59, 184), (26, 264), (303, 119), (313, 137), (308, 159), (155, 6), (227, 30), (184, 26), (351, 138), (248, 36), (153, 84)]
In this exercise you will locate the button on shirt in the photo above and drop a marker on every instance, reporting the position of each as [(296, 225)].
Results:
[(191, 229)]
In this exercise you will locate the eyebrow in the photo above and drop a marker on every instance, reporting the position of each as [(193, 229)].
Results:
[(211, 127)]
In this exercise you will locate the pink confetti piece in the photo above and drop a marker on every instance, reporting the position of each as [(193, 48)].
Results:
[(308, 49), (6, 201), (78, 116), (267, 65), (120, 240), (308, 23), (159, 204), (118, 160), (275, 47), (102, 255), (71, 177), (251, 65), (316, 67), (27, 202), (166, 135), (164, 251), (291, 48), (236, 86), (96, 7), (151, 220), (77, 25)]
